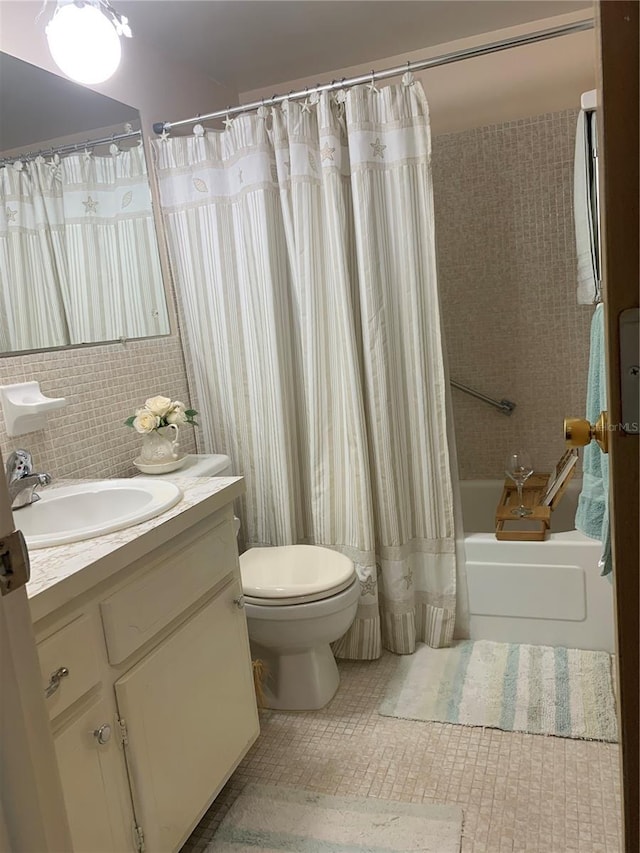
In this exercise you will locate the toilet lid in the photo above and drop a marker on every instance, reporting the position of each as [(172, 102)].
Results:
[(294, 572)]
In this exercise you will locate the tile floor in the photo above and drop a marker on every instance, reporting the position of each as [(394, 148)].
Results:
[(520, 793)]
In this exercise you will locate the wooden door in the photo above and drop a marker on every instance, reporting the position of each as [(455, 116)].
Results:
[(32, 806), (619, 97), (190, 713)]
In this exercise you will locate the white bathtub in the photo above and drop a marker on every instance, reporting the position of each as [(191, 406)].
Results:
[(548, 593)]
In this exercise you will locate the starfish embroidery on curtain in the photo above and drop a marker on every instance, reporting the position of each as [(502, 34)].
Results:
[(164, 135), (408, 578), (378, 148), (228, 123), (312, 162), (306, 106), (87, 155), (368, 586), (90, 205), (326, 153), (11, 214)]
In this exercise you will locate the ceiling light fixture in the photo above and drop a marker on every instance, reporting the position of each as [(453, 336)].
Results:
[(84, 39)]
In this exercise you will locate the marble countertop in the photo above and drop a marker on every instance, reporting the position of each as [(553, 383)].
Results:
[(61, 573)]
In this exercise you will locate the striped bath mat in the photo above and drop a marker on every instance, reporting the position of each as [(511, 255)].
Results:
[(266, 817), (519, 688)]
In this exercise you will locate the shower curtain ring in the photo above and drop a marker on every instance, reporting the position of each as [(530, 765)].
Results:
[(407, 77)]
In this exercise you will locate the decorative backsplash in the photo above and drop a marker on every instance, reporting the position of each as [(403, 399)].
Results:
[(507, 271), (103, 385)]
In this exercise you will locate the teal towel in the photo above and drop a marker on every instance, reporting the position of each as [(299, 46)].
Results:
[(592, 517)]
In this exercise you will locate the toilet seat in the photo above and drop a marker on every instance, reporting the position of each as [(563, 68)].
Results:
[(294, 574)]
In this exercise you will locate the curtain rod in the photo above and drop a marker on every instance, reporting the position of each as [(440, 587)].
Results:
[(69, 147), (419, 65)]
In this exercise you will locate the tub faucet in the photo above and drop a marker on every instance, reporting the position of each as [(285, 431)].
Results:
[(22, 481)]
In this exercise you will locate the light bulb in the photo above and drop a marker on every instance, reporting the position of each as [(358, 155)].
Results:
[(83, 43)]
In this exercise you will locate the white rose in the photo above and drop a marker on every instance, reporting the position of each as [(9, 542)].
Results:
[(177, 417), (145, 421), (158, 405)]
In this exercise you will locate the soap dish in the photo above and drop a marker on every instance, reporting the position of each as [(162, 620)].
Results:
[(161, 467)]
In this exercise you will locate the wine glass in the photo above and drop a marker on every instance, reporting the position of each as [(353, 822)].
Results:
[(518, 468)]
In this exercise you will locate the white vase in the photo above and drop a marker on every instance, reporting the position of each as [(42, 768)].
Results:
[(160, 446)]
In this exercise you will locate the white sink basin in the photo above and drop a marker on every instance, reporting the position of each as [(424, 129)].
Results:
[(85, 510)]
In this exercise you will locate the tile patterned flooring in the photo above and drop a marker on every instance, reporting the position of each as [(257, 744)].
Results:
[(520, 793)]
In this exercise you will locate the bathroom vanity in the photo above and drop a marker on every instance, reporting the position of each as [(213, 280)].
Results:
[(143, 647)]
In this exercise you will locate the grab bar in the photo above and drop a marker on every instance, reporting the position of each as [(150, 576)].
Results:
[(505, 406)]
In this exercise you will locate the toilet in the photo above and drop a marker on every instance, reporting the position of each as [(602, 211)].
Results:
[(298, 599)]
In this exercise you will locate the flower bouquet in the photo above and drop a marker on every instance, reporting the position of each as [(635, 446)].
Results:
[(159, 412), (158, 422)]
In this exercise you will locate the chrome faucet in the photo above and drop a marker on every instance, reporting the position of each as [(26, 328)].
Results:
[(22, 481)]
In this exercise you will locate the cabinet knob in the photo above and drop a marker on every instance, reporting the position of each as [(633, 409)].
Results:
[(103, 734), (239, 602), (54, 681)]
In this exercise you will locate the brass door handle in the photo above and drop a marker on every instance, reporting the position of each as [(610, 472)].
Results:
[(578, 432)]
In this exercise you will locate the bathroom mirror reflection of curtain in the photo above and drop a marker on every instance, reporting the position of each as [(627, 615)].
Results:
[(79, 260)]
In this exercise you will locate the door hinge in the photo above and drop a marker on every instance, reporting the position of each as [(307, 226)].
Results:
[(124, 734), (139, 838), (14, 562)]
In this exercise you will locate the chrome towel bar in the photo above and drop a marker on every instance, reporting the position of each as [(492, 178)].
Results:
[(504, 406)]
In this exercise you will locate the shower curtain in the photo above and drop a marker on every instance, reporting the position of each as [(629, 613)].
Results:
[(302, 246)]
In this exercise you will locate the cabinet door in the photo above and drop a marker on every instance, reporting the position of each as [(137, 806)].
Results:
[(93, 778), (190, 711)]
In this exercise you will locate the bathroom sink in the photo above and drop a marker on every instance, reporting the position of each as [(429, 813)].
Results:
[(76, 512)]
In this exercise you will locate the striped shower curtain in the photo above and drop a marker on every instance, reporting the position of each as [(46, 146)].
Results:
[(302, 246)]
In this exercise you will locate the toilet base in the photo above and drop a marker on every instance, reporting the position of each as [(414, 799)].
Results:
[(300, 680)]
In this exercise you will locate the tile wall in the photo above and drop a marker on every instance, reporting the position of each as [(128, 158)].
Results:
[(103, 386), (506, 262)]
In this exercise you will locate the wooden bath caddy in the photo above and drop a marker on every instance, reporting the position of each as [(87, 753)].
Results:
[(534, 527)]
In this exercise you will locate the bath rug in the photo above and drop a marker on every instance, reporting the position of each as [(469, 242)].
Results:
[(267, 817), (508, 686)]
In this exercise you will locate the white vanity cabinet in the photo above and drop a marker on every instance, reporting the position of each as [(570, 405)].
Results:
[(94, 780), (155, 704)]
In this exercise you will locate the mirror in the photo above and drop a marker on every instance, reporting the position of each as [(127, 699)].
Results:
[(79, 260)]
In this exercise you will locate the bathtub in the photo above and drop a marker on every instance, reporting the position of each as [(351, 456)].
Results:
[(548, 593)]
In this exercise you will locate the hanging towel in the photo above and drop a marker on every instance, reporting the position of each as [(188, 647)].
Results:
[(585, 209), (592, 517)]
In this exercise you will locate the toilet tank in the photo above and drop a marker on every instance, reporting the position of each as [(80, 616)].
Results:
[(201, 465), (205, 465)]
